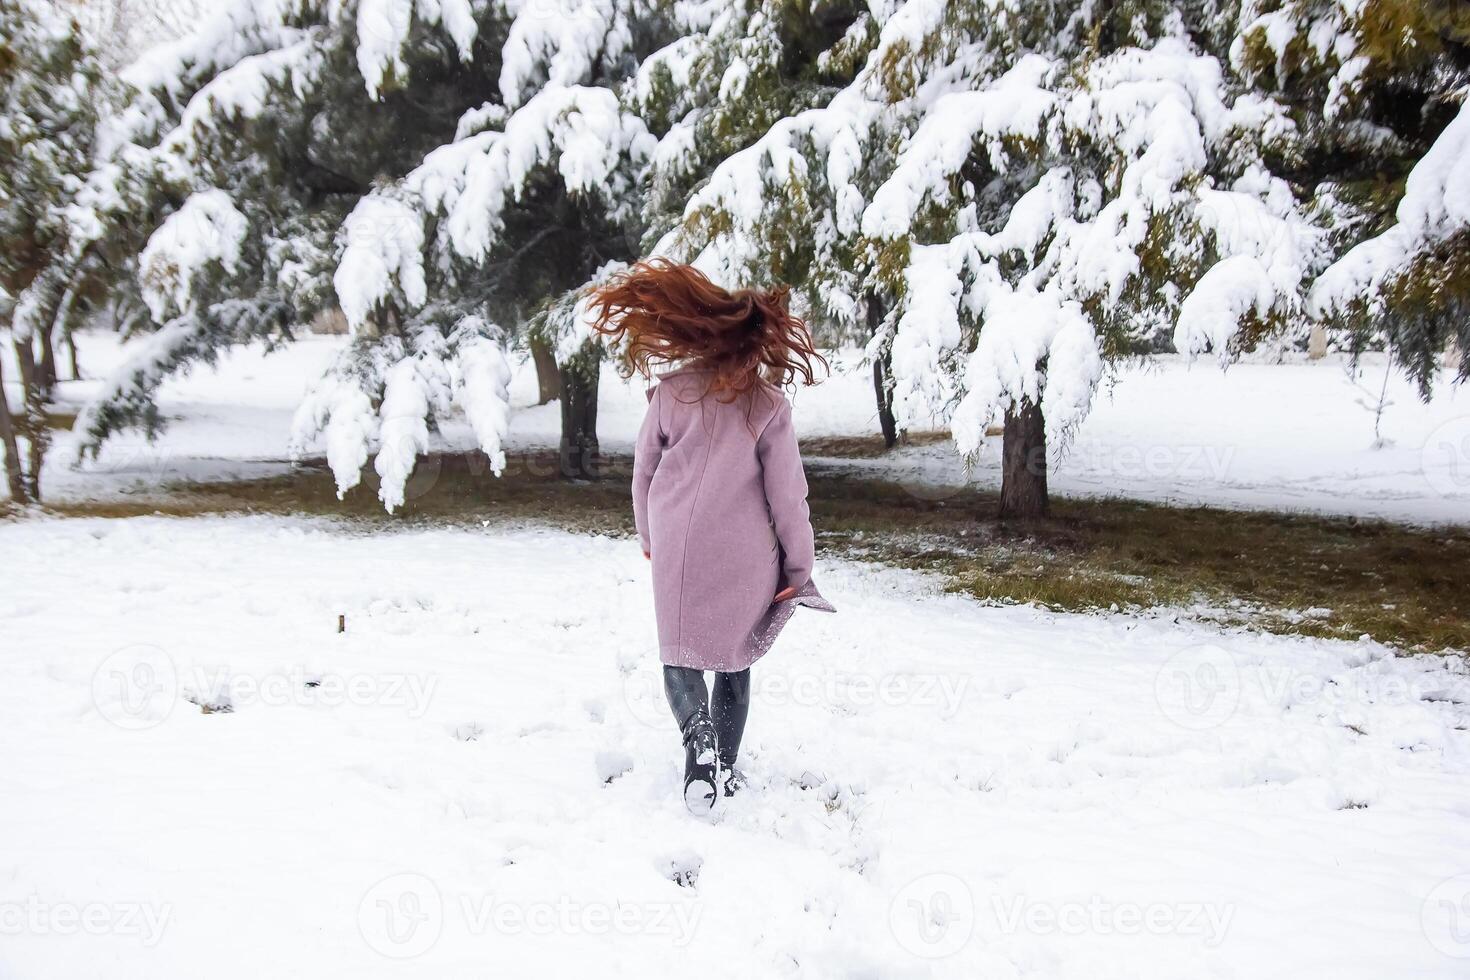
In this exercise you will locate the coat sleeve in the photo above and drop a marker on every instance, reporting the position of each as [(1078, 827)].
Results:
[(786, 490), (647, 452)]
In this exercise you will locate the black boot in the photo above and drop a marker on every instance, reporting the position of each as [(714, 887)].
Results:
[(730, 704), (700, 765), (732, 780)]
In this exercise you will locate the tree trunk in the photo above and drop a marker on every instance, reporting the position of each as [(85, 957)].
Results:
[(14, 478), (548, 375), (46, 367), (882, 370), (33, 419), (882, 375), (1023, 464), (579, 450), (71, 356)]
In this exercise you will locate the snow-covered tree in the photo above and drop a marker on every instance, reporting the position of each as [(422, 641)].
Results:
[(1024, 193), (50, 94), (124, 29), (997, 199), (1392, 78), (431, 169)]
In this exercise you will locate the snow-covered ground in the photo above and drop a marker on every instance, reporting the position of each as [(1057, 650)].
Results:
[(1281, 437), (478, 778)]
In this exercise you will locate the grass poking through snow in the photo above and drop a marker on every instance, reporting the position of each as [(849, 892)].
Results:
[(1283, 573)]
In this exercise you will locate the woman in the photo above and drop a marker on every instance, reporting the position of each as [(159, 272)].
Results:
[(719, 496)]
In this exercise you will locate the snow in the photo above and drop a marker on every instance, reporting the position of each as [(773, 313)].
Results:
[(383, 244), (404, 432), (242, 91), (580, 131), (481, 774), (1156, 116), (207, 228), (1014, 105), (483, 390), (1435, 205), (423, 384), (340, 415), (1286, 437), (1026, 327), (562, 44), (383, 30)]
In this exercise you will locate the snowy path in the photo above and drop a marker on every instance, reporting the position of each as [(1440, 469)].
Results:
[(1276, 437), (1033, 794)]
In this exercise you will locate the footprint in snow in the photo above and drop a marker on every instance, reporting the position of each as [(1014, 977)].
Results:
[(682, 868), (612, 763), (470, 731)]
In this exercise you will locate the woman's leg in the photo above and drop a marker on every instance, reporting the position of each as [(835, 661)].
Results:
[(730, 704), (684, 687), (689, 701)]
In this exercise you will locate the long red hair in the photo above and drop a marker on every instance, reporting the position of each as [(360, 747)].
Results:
[(663, 312)]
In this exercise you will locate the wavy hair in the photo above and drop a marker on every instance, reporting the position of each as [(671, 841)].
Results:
[(664, 312)]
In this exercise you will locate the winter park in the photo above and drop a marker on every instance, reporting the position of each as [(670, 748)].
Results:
[(785, 488)]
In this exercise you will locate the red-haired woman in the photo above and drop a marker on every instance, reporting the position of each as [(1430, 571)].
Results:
[(719, 496)]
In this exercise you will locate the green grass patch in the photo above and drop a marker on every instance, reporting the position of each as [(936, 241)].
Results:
[(1283, 573)]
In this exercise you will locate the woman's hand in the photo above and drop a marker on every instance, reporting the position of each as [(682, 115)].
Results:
[(785, 594)]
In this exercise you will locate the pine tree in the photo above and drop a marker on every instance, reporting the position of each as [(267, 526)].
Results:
[(1016, 197), (289, 158), (292, 158), (998, 201), (50, 92), (1389, 136)]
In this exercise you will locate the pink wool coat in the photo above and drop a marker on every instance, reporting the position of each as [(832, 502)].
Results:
[(719, 498)]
